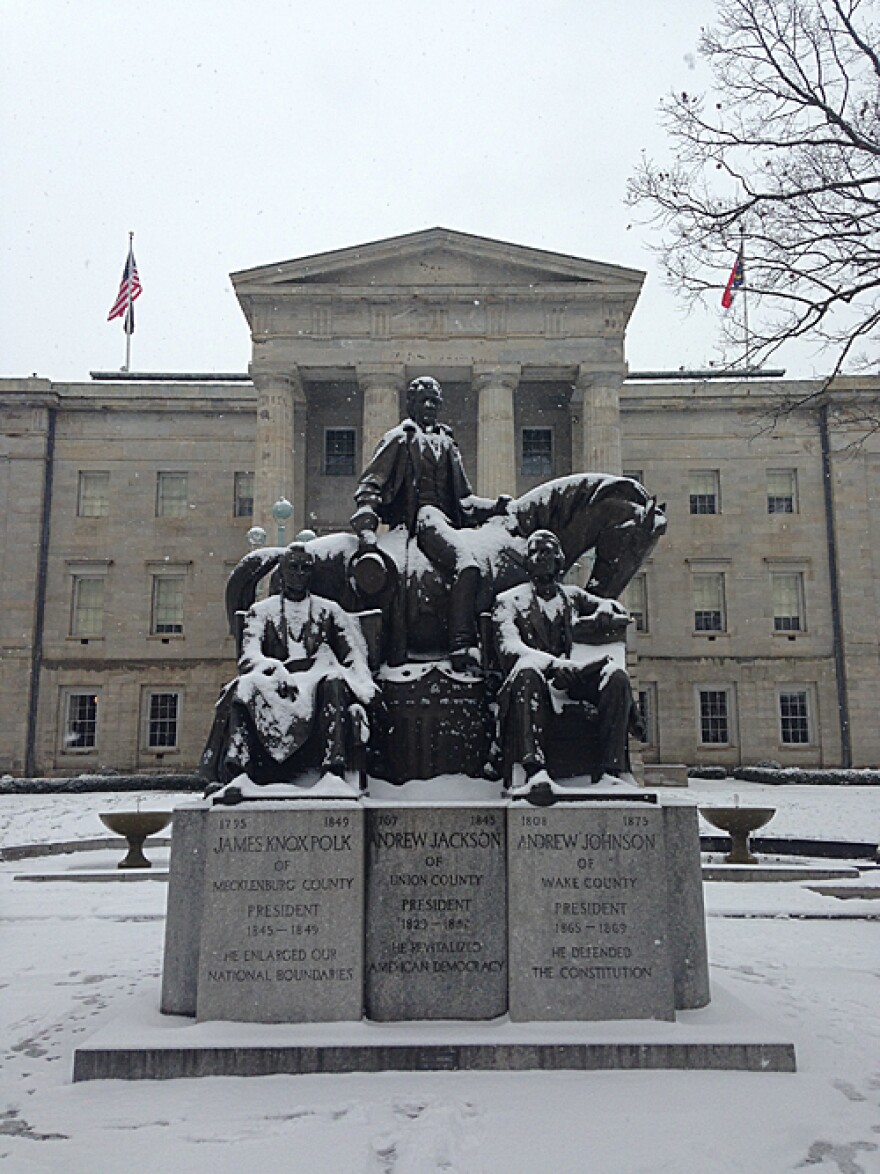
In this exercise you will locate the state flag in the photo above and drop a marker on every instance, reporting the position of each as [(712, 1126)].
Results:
[(735, 281)]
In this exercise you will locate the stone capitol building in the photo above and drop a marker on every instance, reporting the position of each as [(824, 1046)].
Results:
[(126, 501)]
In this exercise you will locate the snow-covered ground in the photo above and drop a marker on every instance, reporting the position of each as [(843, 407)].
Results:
[(76, 956)]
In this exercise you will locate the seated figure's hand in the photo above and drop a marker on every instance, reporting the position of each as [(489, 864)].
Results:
[(562, 676), (605, 622), (365, 523), (637, 726)]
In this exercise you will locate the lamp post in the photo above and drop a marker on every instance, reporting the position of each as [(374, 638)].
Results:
[(282, 510), (256, 536)]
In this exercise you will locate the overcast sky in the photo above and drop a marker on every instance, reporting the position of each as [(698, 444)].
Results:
[(229, 135)]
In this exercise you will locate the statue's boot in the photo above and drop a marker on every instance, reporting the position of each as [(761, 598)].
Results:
[(614, 705), (463, 618), (333, 707)]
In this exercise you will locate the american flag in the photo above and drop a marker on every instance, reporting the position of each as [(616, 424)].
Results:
[(129, 289), (735, 281)]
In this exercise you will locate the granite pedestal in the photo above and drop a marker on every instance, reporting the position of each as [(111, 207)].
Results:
[(273, 929), (299, 911), (589, 913)]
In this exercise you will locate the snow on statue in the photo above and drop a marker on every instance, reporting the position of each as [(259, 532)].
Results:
[(303, 677)]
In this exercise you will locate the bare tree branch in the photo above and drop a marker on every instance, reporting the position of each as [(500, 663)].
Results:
[(786, 147)]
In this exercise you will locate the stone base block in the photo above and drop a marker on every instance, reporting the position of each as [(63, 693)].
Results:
[(665, 774), (589, 913), (142, 1045), (436, 913), (178, 1063), (310, 912)]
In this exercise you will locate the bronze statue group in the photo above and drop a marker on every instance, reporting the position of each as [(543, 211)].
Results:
[(309, 680)]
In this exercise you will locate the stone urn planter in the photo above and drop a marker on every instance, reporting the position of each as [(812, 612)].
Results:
[(739, 823), (135, 826)]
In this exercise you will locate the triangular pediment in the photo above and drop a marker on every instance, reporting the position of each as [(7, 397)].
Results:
[(435, 257)]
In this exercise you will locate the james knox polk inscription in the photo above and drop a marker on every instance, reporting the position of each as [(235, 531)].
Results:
[(282, 926)]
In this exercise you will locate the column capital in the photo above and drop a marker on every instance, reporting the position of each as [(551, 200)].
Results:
[(269, 379), (381, 375), (496, 375), (600, 375)]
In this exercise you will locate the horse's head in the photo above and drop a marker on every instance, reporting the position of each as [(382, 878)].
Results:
[(622, 547), (613, 516)]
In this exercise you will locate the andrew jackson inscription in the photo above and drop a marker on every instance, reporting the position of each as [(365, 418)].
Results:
[(436, 927)]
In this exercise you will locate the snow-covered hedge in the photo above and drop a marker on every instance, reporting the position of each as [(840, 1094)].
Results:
[(83, 784), (805, 776)]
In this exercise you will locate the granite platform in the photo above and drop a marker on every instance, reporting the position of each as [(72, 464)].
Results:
[(142, 1044)]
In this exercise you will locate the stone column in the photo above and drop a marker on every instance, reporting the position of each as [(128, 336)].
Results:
[(598, 393), (496, 436), (279, 395), (600, 418), (381, 386)]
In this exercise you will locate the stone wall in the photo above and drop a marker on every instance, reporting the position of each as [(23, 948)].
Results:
[(520, 338)]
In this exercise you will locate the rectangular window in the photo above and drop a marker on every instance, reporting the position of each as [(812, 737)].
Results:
[(80, 721), (794, 717), (244, 495), (163, 711), (703, 487), (714, 720), (781, 491), (537, 452), (635, 600), (167, 619), (339, 452), (87, 607), (787, 589), (648, 711), (171, 495), (708, 591), (93, 495), (636, 474)]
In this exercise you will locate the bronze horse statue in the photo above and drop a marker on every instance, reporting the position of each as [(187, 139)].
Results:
[(614, 517)]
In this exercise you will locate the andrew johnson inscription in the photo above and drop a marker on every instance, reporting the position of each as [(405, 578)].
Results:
[(282, 923), (436, 941), (588, 918)]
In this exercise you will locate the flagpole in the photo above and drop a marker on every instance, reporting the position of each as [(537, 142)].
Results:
[(127, 318), (745, 287)]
